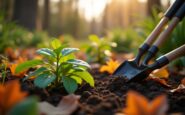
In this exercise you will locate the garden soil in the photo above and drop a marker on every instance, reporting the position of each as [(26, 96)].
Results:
[(109, 94)]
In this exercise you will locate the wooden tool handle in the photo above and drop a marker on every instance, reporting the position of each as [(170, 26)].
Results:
[(157, 30), (178, 17), (171, 11), (176, 53), (164, 36), (167, 58)]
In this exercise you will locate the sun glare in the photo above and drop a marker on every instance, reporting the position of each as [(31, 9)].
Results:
[(92, 8)]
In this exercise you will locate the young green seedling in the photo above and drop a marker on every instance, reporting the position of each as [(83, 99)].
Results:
[(59, 66), (99, 50)]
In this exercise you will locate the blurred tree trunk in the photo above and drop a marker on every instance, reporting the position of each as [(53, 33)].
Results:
[(153, 4), (76, 31), (6, 7), (60, 16), (46, 19), (25, 13)]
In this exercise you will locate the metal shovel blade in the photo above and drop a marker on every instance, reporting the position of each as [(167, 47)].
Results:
[(128, 69)]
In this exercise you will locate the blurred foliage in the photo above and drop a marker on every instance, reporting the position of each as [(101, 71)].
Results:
[(176, 39), (98, 50), (127, 40), (12, 35)]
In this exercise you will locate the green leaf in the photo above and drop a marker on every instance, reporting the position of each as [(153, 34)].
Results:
[(85, 76), (79, 68), (67, 51), (77, 79), (58, 50), (43, 80), (68, 57), (78, 62), (28, 64), (25, 107), (55, 44), (65, 67), (35, 73), (94, 38), (46, 52), (69, 84)]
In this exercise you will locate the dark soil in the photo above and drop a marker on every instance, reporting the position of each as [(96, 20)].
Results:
[(109, 94)]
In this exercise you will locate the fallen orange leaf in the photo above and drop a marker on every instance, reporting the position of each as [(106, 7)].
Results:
[(139, 105), (10, 95), (13, 67), (161, 73), (110, 66)]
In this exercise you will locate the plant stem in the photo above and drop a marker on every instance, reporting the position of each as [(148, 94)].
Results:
[(57, 70)]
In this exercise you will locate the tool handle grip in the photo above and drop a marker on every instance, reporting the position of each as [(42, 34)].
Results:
[(167, 58), (173, 8), (157, 30), (171, 11), (176, 53), (181, 13), (164, 35)]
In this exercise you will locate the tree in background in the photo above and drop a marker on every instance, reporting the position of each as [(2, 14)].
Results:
[(25, 13), (153, 4), (46, 17)]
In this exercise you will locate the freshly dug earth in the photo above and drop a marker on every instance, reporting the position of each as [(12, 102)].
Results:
[(109, 94)]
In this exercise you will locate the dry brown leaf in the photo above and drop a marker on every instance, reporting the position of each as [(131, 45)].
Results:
[(161, 73), (11, 53), (110, 66), (180, 87), (67, 105), (161, 81), (139, 105), (183, 81), (10, 94)]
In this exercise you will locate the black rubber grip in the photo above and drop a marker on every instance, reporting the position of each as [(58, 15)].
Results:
[(160, 62), (173, 8), (141, 52), (144, 47), (181, 12), (151, 53)]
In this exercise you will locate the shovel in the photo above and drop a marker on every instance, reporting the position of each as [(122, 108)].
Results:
[(130, 69), (160, 62)]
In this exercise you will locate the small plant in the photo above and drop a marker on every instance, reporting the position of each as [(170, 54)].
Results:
[(59, 66), (3, 68), (99, 49)]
